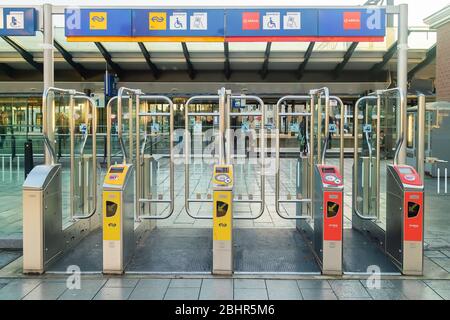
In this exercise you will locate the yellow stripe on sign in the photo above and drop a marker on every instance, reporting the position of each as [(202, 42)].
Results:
[(144, 39)]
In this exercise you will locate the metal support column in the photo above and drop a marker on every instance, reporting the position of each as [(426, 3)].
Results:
[(402, 72), (48, 74), (421, 108)]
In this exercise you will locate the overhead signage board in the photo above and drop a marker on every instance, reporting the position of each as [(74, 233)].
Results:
[(18, 21), (278, 23), (98, 22), (352, 23), (178, 23), (269, 24)]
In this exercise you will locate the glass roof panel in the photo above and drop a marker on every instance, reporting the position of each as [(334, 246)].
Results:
[(31, 43), (289, 46), (164, 46), (205, 46), (247, 46), (73, 46), (121, 46)]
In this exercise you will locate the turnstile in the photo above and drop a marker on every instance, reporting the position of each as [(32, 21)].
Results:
[(404, 227), (223, 219), (393, 242), (46, 238), (118, 218), (328, 218)]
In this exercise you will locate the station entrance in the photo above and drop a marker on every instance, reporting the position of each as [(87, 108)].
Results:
[(247, 207), (229, 191)]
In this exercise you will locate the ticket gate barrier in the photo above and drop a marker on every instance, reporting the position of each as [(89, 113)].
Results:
[(390, 239), (328, 218), (223, 219), (318, 201), (118, 218), (405, 216), (45, 239), (222, 259)]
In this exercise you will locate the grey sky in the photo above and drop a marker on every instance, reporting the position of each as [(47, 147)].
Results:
[(419, 9)]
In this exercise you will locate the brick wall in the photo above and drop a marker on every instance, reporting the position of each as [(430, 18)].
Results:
[(443, 63)]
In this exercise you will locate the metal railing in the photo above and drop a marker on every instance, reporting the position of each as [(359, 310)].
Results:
[(140, 155), (279, 114)]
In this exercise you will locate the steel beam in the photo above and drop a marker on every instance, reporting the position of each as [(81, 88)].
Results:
[(155, 71), (190, 67), (227, 66), (116, 68), (307, 56), (340, 67), (430, 56), (79, 68), (265, 67), (28, 57)]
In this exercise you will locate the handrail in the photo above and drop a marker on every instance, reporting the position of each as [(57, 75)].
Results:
[(108, 131), (48, 145), (187, 151), (94, 158), (277, 155), (120, 96), (356, 159), (402, 127), (262, 138), (319, 92), (138, 152)]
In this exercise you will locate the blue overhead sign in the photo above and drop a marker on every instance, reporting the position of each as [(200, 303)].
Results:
[(98, 22), (352, 23), (271, 22), (18, 21), (181, 23)]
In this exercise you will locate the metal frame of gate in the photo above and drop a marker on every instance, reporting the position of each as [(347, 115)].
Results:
[(310, 142), (73, 95), (137, 96), (224, 97)]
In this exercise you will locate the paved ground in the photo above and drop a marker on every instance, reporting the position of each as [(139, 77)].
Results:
[(434, 285), (125, 288)]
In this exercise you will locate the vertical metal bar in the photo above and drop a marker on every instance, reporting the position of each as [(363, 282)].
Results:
[(445, 181), (138, 191), (378, 159), (319, 128), (119, 122), (355, 153), (227, 121), (342, 142), (130, 128), (327, 127), (402, 71), (108, 131), (438, 180), (72, 156), (48, 62), (94, 152), (222, 125), (421, 108), (311, 158)]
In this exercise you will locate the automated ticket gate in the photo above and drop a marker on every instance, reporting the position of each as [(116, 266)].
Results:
[(224, 181), (45, 239), (319, 187), (393, 242), (130, 190)]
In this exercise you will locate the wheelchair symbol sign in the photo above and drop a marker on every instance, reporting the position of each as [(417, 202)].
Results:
[(367, 128), (332, 128)]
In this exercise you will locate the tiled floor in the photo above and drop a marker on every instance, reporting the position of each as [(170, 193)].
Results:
[(221, 289)]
